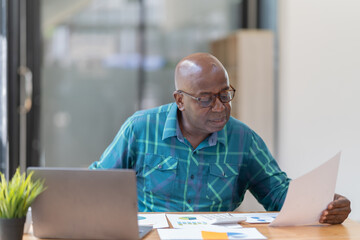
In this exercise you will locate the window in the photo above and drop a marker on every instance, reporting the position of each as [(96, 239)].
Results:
[(90, 74)]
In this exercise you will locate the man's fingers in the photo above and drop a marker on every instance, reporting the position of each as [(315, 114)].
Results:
[(337, 211), (339, 203), (335, 216), (333, 219)]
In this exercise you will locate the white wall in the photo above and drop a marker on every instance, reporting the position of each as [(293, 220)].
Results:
[(319, 112)]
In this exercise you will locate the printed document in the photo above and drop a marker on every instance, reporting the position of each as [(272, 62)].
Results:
[(210, 233), (309, 195), (194, 221), (156, 220), (266, 217)]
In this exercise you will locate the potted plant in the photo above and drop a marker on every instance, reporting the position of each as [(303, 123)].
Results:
[(16, 196)]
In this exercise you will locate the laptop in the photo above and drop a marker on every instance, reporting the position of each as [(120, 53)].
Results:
[(86, 204)]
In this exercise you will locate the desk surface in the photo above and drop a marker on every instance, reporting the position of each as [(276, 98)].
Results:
[(348, 230)]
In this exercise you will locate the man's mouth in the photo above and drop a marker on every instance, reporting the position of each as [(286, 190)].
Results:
[(219, 120)]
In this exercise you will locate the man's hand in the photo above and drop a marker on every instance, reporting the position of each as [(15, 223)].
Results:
[(337, 211)]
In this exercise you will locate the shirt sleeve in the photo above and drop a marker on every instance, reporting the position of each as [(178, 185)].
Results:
[(120, 153), (267, 182)]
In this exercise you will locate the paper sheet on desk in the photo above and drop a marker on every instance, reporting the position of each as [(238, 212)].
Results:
[(156, 220), (210, 232), (309, 195), (266, 217), (194, 221)]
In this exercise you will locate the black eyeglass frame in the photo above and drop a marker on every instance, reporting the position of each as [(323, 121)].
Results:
[(213, 97)]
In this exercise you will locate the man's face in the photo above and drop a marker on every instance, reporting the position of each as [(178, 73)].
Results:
[(206, 120)]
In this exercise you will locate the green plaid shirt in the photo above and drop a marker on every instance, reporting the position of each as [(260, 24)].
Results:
[(172, 176)]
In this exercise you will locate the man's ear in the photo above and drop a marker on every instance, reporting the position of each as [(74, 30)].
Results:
[(179, 100)]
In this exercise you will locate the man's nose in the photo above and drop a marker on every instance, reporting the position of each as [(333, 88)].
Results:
[(218, 105)]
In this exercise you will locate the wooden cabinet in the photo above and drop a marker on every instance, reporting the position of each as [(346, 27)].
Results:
[(248, 56)]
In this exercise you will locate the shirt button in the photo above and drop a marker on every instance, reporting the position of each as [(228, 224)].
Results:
[(189, 201), (159, 166), (192, 176)]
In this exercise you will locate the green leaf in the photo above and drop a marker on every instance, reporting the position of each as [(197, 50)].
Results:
[(17, 195)]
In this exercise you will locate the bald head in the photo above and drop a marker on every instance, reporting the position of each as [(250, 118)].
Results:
[(194, 67)]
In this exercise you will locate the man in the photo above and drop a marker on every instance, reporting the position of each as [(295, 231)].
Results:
[(193, 156)]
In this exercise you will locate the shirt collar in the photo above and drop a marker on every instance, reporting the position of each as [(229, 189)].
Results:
[(170, 123), (172, 129)]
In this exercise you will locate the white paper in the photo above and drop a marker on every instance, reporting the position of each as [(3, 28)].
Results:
[(309, 195), (266, 217), (156, 220), (194, 221), (209, 233)]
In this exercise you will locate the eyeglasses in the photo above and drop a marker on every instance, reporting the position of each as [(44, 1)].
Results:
[(208, 100)]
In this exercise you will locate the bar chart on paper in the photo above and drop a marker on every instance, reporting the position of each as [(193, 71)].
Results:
[(186, 220)]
